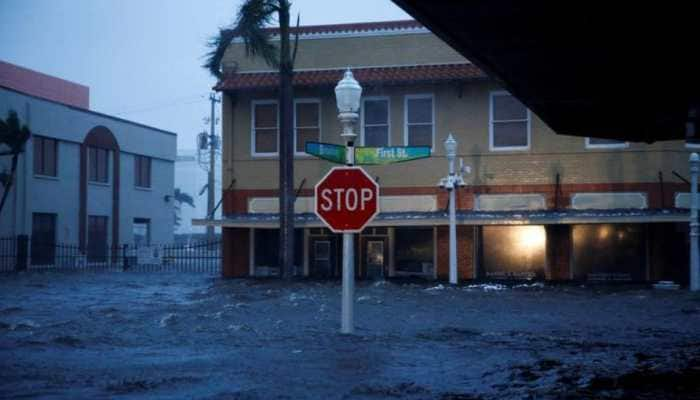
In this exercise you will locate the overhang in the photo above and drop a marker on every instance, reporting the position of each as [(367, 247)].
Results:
[(537, 217), (616, 70)]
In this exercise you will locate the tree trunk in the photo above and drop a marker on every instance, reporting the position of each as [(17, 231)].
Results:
[(286, 154), (10, 180)]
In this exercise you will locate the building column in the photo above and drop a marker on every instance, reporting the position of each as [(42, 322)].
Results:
[(558, 250), (235, 252), (465, 252)]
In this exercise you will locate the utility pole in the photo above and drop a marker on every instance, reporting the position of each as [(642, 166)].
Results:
[(213, 145)]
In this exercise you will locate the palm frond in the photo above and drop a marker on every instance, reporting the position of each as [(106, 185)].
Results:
[(253, 17)]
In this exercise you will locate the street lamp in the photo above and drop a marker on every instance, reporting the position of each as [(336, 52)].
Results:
[(347, 95), (452, 182)]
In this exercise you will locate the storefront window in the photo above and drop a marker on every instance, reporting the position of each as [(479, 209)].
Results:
[(414, 250), (514, 252), (609, 252), (267, 247)]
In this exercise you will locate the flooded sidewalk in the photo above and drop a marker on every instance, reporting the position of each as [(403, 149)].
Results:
[(162, 335)]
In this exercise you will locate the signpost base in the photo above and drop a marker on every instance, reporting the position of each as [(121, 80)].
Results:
[(348, 300)]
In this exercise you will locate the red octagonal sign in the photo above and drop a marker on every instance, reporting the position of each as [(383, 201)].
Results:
[(346, 199)]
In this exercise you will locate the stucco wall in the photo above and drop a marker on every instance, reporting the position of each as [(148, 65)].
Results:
[(464, 112), (60, 195), (402, 49)]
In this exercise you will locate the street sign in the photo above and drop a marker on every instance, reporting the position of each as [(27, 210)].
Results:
[(327, 151), (346, 199), (389, 155)]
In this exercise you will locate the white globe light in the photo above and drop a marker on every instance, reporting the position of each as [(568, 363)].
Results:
[(348, 93)]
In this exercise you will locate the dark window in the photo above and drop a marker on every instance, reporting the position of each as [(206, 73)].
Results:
[(419, 121), (97, 238), (43, 238), (307, 126), (45, 159), (509, 122), (267, 247), (375, 122), (513, 252), (609, 252), (265, 128), (98, 164), (142, 171), (414, 250), (142, 232)]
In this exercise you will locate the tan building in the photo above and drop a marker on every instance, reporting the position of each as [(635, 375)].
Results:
[(536, 204)]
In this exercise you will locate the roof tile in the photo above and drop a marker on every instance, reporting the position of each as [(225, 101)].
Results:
[(366, 76)]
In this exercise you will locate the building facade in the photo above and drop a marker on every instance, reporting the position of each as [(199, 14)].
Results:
[(536, 204), (87, 178)]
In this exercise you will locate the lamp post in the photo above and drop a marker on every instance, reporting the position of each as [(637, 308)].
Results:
[(347, 95), (452, 182), (694, 253)]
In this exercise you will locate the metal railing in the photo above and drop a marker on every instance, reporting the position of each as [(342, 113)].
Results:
[(21, 253)]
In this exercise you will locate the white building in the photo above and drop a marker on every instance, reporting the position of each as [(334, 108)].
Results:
[(87, 178)]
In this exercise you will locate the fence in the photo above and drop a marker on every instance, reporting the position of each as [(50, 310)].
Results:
[(23, 253)]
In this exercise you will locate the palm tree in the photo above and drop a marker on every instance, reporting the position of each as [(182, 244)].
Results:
[(13, 137), (251, 22), (181, 198)]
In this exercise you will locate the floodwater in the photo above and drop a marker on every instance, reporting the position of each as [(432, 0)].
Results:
[(133, 335)]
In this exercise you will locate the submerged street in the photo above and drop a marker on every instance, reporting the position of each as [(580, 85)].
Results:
[(135, 335)]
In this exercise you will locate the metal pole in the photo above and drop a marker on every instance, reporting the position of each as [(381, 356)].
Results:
[(212, 168), (347, 324), (453, 239), (694, 251)]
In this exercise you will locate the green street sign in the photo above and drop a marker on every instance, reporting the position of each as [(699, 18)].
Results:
[(389, 155), (327, 151)]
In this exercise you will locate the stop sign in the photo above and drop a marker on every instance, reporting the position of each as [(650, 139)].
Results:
[(346, 199)]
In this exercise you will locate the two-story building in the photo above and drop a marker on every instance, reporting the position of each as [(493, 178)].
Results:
[(536, 204), (84, 178)]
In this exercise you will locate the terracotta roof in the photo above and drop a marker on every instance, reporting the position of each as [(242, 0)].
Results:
[(366, 76), (352, 27)]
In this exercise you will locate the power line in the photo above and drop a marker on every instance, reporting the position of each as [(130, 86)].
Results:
[(156, 106)]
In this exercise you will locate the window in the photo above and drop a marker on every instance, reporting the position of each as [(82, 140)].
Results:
[(375, 122), (267, 247), (307, 123), (265, 138), (598, 143), (414, 250), (419, 120), (43, 239), (509, 123), (609, 252), (45, 151), (142, 232), (142, 171), (98, 162), (513, 252), (97, 238)]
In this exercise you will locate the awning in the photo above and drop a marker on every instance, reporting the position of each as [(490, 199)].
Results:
[(537, 217), (611, 69)]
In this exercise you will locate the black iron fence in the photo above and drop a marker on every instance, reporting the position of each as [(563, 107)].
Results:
[(22, 253)]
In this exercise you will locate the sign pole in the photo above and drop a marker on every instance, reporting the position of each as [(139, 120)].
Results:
[(347, 324), (694, 231)]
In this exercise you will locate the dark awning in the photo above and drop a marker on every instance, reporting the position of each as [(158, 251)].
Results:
[(524, 217), (613, 69)]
